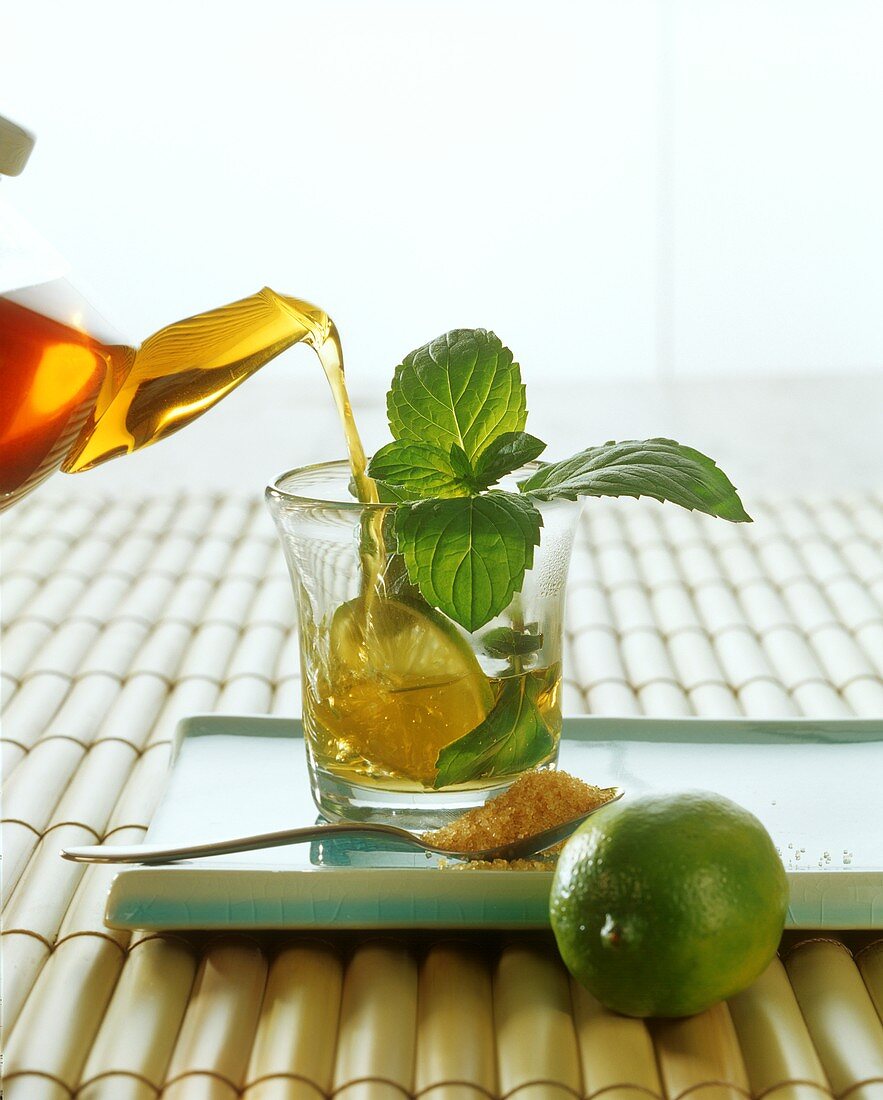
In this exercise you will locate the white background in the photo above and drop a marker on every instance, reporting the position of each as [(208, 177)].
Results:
[(618, 189), (674, 205)]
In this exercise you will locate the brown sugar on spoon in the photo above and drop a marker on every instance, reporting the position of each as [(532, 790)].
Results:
[(536, 801)]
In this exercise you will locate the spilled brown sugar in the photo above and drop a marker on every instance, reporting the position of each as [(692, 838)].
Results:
[(535, 801)]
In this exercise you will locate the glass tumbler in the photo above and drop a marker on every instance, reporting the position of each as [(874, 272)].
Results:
[(409, 718)]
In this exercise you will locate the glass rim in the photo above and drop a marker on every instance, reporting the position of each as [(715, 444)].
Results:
[(275, 493)]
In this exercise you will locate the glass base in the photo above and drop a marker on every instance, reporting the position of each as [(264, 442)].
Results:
[(416, 810)]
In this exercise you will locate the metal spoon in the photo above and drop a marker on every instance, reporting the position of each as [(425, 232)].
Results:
[(150, 854)]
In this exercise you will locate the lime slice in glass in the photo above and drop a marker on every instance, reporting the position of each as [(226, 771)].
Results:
[(402, 682)]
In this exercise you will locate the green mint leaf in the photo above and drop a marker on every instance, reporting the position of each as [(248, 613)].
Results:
[(504, 454), (386, 494), (468, 555), (512, 738), (460, 463), (503, 642), (658, 468), (420, 470), (394, 494), (462, 388)]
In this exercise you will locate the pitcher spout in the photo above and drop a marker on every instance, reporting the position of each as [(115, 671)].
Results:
[(184, 369)]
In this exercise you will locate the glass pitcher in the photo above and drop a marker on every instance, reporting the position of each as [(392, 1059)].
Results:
[(75, 393)]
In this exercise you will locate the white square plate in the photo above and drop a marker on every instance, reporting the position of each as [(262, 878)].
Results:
[(816, 786)]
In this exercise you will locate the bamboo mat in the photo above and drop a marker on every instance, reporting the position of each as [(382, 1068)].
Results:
[(123, 616)]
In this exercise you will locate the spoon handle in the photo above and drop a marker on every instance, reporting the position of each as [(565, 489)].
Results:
[(148, 853)]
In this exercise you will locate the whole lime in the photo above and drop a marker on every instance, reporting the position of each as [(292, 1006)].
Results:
[(666, 904)]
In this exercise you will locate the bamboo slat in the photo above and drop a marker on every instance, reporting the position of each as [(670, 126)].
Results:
[(282, 1088), (16, 590), (587, 602), (122, 617), (212, 1050), (211, 557), (616, 1052), (23, 957), (36, 785), (572, 699), (142, 790), (612, 696), (865, 696), (11, 755), (28, 713), (88, 557), (94, 788), (288, 696), (776, 1045), (245, 695), (231, 599), (99, 602), (765, 697), (536, 1039), (8, 687), (65, 647), (80, 974), (84, 915), (163, 649), (209, 650), (376, 1031), (845, 1029), (141, 1025), (700, 1055), (455, 1035), (53, 601), (273, 604), (194, 696), (114, 649), (39, 902), (34, 1087), (18, 842), (297, 1031), (869, 633), (714, 701), (131, 555), (187, 600), (145, 600), (173, 555), (134, 712), (663, 697), (287, 662), (21, 643), (870, 965), (257, 650), (83, 707), (254, 552)]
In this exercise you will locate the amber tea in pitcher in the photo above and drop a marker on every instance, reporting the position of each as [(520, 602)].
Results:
[(56, 378)]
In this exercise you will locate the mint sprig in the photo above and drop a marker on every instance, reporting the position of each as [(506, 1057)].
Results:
[(457, 413)]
